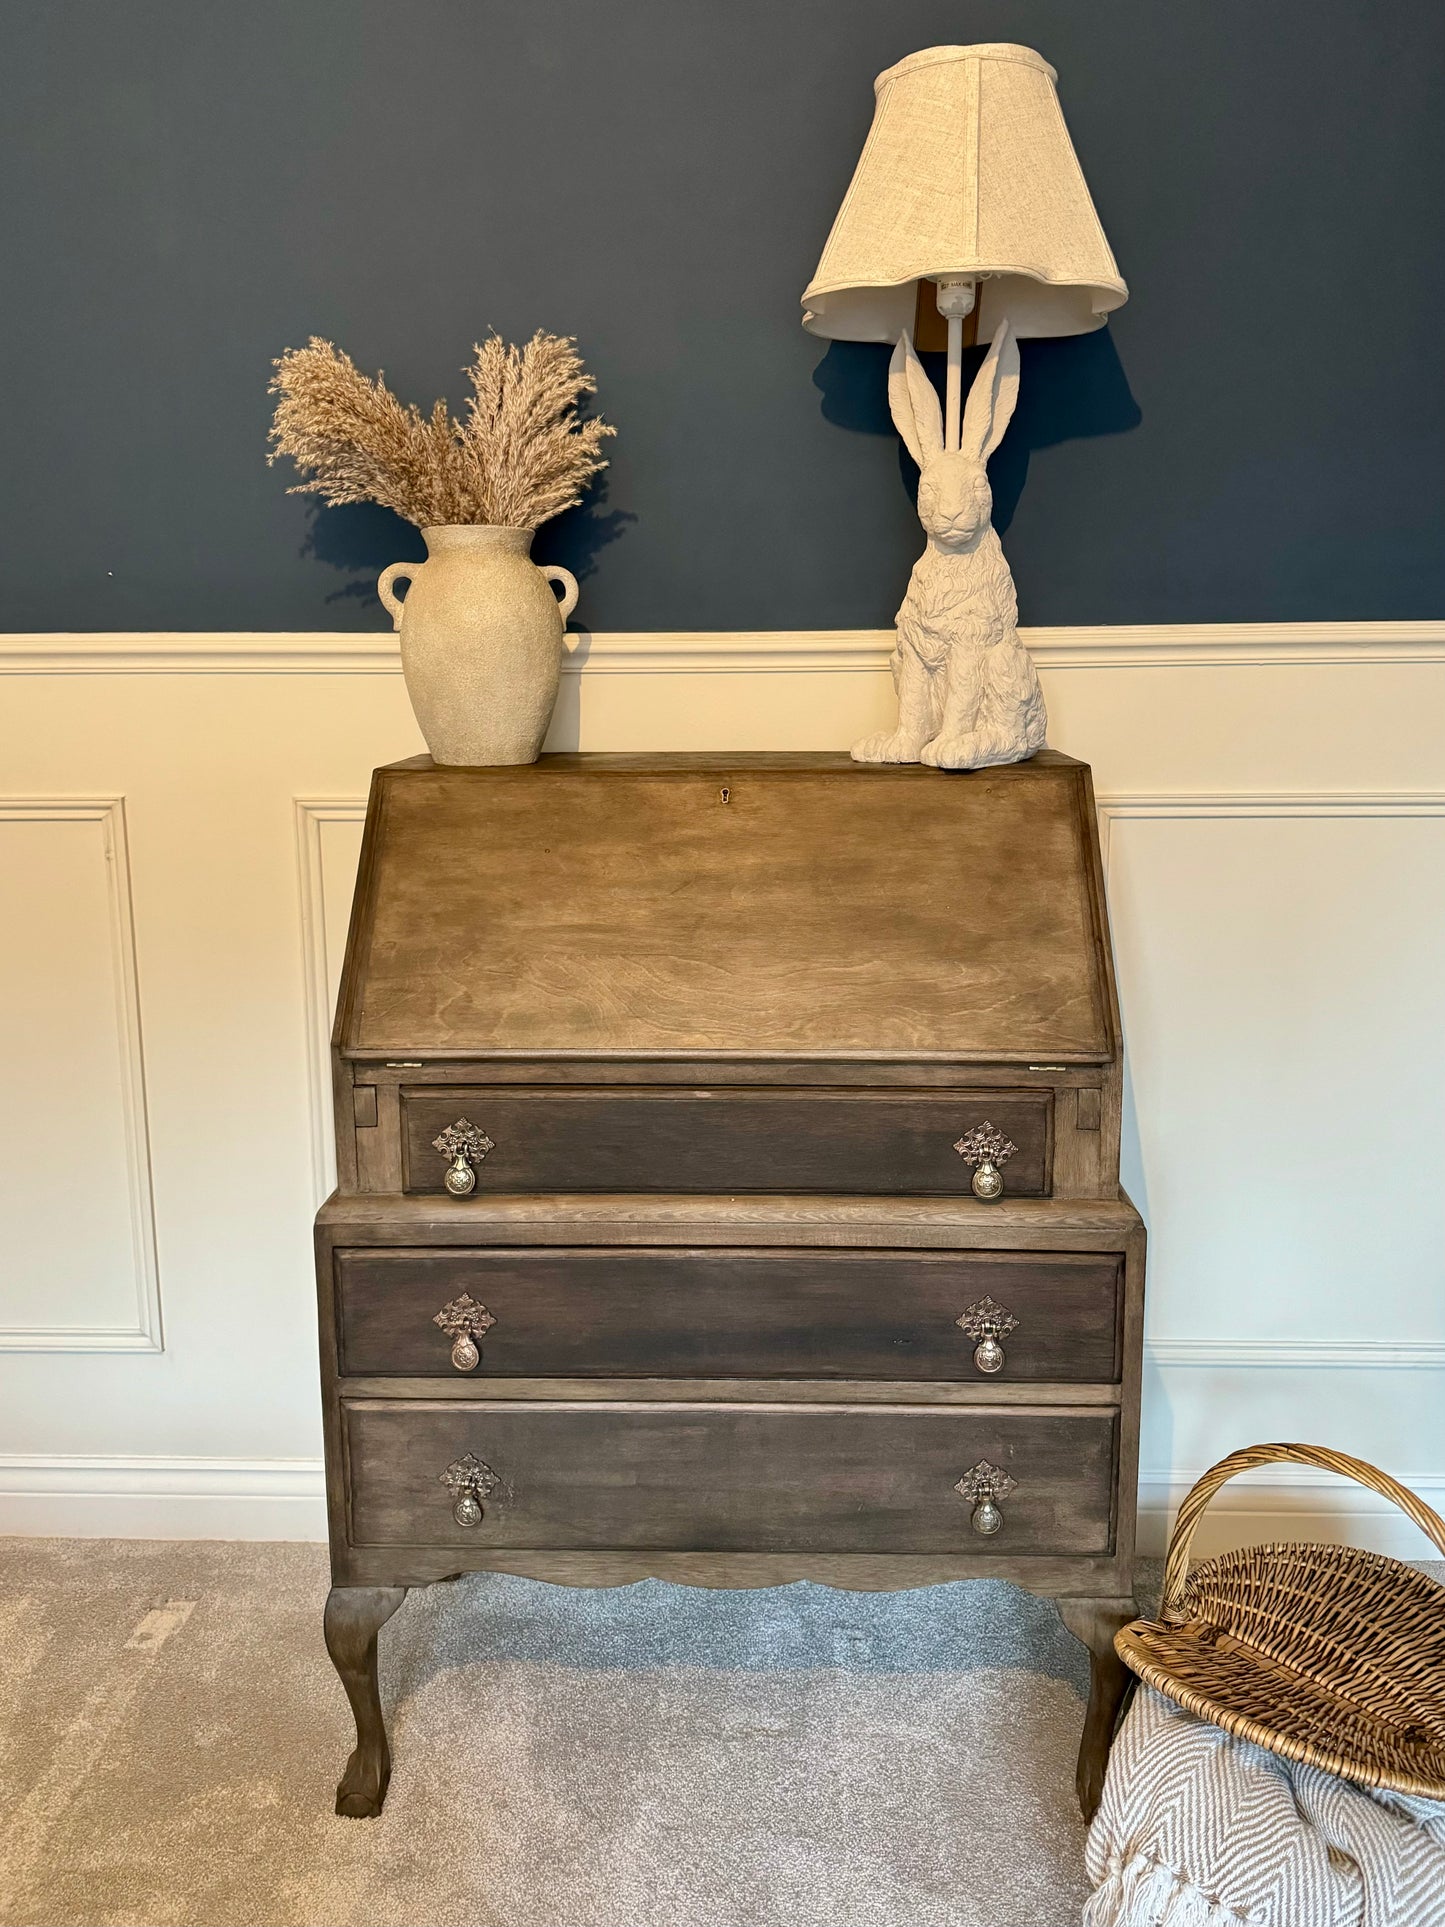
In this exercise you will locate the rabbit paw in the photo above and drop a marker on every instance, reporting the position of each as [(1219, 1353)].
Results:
[(889, 746), (971, 750)]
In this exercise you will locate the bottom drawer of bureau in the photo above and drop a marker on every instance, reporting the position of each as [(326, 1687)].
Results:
[(723, 1478)]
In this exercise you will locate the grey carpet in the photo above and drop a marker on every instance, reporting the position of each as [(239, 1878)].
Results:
[(651, 1756)]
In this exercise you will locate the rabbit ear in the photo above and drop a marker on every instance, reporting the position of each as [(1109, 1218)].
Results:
[(991, 399), (913, 402)]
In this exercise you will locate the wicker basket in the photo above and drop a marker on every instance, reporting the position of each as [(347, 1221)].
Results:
[(1321, 1653)]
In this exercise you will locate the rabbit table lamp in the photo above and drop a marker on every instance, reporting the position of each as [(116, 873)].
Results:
[(968, 208)]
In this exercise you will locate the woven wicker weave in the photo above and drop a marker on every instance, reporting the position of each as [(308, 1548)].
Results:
[(1321, 1653)]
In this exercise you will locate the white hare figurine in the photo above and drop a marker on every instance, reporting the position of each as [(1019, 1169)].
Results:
[(968, 695)]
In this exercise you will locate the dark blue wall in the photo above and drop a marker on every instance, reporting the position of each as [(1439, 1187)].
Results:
[(191, 188)]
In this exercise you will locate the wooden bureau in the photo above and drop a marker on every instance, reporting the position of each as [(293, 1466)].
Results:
[(728, 1192)]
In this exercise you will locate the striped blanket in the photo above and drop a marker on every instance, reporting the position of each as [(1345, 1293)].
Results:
[(1200, 1830)]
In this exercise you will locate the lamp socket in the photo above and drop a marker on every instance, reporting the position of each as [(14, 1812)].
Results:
[(955, 296)]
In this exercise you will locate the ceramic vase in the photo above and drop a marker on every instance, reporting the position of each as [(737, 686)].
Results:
[(481, 642)]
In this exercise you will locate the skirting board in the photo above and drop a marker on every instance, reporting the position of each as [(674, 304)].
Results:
[(161, 1498), (193, 1498)]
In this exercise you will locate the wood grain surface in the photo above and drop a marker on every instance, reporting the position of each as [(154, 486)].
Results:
[(573, 1218), (724, 1314), (730, 1478), (739, 904), (737, 1391), (726, 1139), (1047, 1574)]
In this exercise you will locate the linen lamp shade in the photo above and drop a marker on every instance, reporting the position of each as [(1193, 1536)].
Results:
[(968, 172)]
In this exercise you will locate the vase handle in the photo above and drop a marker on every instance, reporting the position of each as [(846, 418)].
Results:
[(393, 604), (570, 591)]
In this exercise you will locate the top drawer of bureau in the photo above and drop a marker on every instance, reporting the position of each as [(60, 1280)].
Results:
[(730, 1139)]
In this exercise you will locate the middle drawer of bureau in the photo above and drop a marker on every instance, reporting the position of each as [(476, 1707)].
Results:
[(728, 1313)]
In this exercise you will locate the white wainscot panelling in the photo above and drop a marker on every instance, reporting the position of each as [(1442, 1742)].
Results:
[(1280, 968), (1279, 961), (79, 1271), (328, 848)]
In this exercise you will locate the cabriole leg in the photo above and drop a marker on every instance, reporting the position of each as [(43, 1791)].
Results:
[(1094, 1623), (354, 1616)]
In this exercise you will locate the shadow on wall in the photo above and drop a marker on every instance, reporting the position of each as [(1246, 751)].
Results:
[(576, 539), (360, 539), (1069, 389)]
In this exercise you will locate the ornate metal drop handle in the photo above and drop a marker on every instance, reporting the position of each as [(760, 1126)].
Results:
[(982, 1488), (472, 1480), (464, 1321), (465, 1145), (988, 1151), (986, 1323)]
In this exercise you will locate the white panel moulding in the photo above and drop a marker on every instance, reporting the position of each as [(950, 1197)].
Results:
[(1307, 1353), (1361, 1353), (320, 957), (319, 652), (142, 1333), (1298, 1355)]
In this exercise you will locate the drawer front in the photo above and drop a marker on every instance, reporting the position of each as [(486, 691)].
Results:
[(727, 1478), (1054, 1316), (724, 1140)]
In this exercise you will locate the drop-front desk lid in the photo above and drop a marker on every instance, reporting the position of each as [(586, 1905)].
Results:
[(737, 905)]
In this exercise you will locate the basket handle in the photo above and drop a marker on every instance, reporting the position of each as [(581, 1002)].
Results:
[(1176, 1567)]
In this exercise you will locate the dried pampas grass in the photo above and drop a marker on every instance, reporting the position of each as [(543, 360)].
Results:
[(520, 457)]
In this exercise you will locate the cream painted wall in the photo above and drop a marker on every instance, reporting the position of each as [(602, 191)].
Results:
[(179, 819)]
